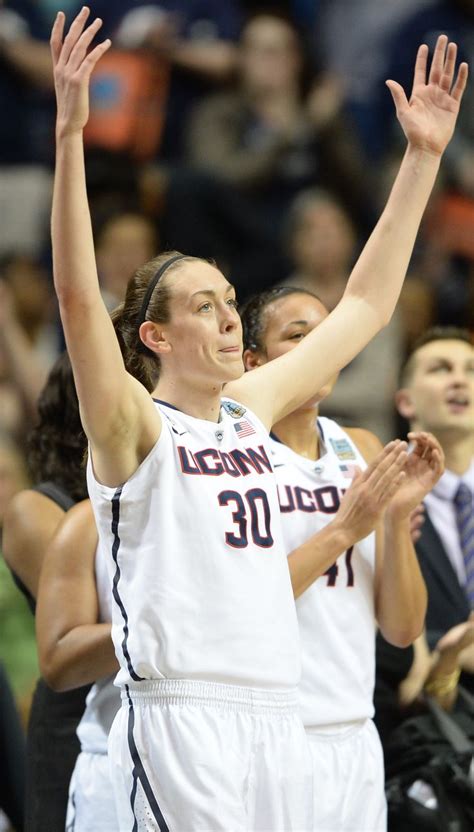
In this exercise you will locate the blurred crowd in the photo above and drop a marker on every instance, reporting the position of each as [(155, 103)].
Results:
[(259, 134)]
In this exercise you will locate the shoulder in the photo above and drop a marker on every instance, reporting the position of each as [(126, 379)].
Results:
[(78, 528), (30, 507), (30, 521), (366, 442)]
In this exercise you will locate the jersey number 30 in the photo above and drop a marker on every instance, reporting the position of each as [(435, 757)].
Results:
[(250, 509)]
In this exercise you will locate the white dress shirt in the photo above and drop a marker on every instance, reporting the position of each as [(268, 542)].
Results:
[(439, 504)]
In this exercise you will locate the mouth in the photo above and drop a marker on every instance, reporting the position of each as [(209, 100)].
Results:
[(231, 350), (458, 403)]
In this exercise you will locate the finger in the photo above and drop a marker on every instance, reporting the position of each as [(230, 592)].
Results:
[(461, 81), (88, 64), (398, 94), (74, 34), (388, 467), (392, 487), (79, 51), (437, 64), (389, 477), (56, 39), (449, 67), (379, 459), (419, 75)]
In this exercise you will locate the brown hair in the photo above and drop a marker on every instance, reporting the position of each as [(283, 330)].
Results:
[(140, 362), (434, 333)]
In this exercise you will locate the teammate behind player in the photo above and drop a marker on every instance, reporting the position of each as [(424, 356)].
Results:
[(183, 490), (369, 580)]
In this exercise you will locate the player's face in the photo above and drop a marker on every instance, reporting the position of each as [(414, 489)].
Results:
[(204, 332), (440, 394), (287, 321)]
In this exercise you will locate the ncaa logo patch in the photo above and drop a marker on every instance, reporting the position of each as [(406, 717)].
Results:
[(343, 449), (233, 409)]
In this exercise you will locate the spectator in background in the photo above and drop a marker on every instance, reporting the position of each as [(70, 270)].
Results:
[(122, 243), (437, 394), (322, 243), (278, 129), (456, 19), (27, 122), (29, 343), (343, 31), (197, 36)]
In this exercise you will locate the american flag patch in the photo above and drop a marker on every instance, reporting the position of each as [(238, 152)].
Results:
[(349, 470), (243, 428)]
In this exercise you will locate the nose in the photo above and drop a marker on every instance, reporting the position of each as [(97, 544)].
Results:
[(230, 318)]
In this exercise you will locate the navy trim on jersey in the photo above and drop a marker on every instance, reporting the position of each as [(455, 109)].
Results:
[(139, 774), (167, 404), (115, 592), (320, 428), (275, 437)]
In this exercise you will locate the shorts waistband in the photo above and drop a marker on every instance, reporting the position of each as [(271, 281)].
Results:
[(233, 698), (336, 731)]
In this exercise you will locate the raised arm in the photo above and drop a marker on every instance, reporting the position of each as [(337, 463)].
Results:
[(74, 649), (117, 413), (428, 120)]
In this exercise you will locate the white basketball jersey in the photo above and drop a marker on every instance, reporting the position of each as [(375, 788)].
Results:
[(103, 699), (196, 559), (336, 614)]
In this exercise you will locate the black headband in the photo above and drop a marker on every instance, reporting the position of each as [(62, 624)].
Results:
[(151, 287)]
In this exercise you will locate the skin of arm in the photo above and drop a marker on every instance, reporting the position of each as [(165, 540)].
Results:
[(117, 413), (30, 522), (73, 648), (428, 121), (400, 592)]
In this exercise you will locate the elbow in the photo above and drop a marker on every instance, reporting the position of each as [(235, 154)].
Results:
[(403, 635), (53, 674)]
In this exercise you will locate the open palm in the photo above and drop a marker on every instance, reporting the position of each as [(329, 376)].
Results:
[(429, 117), (423, 468)]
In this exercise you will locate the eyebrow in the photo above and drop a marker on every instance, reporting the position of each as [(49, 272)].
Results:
[(296, 323), (211, 292)]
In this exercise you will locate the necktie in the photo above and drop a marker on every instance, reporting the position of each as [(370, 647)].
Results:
[(463, 502)]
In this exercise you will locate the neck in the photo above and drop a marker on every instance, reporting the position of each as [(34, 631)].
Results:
[(300, 433), (458, 454), (193, 400)]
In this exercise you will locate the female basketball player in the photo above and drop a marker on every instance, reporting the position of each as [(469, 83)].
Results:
[(183, 490), (373, 579), (56, 451)]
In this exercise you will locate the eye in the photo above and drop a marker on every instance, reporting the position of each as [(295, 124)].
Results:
[(205, 307), (439, 368), (233, 302), (297, 336)]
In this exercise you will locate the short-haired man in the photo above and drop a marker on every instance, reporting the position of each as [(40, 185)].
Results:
[(437, 395)]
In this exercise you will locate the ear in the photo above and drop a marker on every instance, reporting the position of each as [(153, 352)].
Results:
[(154, 338), (253, 359), (404, 403)]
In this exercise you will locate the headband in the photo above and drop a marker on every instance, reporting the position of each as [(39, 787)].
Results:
[(151, 287)]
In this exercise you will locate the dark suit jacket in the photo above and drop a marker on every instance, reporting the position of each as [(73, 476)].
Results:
[(447, 600)]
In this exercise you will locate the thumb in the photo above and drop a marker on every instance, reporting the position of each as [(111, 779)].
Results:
[(398, 94)]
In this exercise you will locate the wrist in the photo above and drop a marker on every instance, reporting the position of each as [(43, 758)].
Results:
[(341, 536), (397, 517)]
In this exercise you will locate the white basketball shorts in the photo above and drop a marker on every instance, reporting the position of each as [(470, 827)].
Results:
[(348, 776), (91, 805), (191, 756)]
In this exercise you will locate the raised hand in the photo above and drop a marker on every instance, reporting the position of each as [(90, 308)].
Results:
[(423, 468), (429, 117), (73, 65)]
